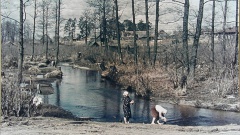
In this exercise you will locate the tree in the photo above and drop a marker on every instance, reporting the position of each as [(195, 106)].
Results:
[(58, 27), (20, 47), (68, 28), (128, 24), (212, 35), (56, 21), (34, 27), (105, 28), (142, 26), (73, 26), (197, 34), (118, 33), (185, 54), (156, 32), (85, 26), (8, 30), (46, 26), (147, 30), (102, 8), (134, 35), (43, 21), (236, 44), (224, 33)]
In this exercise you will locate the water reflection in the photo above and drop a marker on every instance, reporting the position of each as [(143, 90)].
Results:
[(84, 94), (58, 83)]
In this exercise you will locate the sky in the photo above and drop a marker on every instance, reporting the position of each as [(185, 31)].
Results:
[(75, 8)]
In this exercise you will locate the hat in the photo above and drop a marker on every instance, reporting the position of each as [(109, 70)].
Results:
[(125, 93)]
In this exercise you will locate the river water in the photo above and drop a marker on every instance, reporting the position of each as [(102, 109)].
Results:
[(83, 93)]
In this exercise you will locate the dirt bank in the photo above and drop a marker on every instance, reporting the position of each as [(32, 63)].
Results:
[(46, 125)]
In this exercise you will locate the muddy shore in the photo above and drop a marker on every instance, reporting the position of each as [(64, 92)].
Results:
[(53, 126)]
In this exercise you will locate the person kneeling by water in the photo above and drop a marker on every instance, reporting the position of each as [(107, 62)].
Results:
[(158, 112)]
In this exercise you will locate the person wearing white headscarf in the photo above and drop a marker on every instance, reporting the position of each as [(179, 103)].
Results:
[(126, 107), (158, 112)]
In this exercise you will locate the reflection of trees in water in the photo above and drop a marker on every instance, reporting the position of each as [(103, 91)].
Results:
[(186, 111), (45, 99), (141, 109), (112, 103), (58, 83), (91, 75)]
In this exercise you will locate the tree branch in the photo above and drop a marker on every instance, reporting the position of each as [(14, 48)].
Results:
[(9, 18)]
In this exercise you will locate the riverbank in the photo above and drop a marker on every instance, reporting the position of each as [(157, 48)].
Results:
[(50, 125), (156, 84)]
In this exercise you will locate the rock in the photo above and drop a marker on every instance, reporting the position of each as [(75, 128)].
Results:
[(32, 63), (34, 70), (46, 89), (54, 74), (105, 74), (42, 65)]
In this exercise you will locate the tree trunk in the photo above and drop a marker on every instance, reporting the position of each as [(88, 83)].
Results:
[(156, 32), (134, 35), (20, 47), (105, 28), (147, 31), (58, 27), (56, 21), (197, 34), (185, 54), (212, 35), (86, 28), (236, 44), (20, 58), (43, 23), (34, 27), (224, 32), (46, 32), (118, 33)]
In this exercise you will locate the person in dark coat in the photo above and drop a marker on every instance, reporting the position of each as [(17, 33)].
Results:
[(126, 107)]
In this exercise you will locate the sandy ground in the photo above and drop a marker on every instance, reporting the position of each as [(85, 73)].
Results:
[(58, 126)]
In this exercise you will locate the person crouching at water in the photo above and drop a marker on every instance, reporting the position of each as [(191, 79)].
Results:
[(158, 112), (126, 107)]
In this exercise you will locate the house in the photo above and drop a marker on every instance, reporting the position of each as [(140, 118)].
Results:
[(128, 35), (228, 31)]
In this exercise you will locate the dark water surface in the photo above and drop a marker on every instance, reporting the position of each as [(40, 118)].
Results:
[(84, 94)]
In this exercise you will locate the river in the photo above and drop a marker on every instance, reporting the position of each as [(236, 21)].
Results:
[(83, 93)]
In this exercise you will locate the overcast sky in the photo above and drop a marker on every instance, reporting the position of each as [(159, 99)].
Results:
[(75, 8)]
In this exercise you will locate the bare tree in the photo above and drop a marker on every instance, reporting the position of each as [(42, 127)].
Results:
[(8, 30), (147, 30), (236, 44), (46, 26), (134, 35), (156, 32), (56, 21), (20, 47), (212, 34), (224, 32), (197, 34), (43, 21), (105, 28), (58, 27), (34, 27), (118, 32), (185, 55)]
